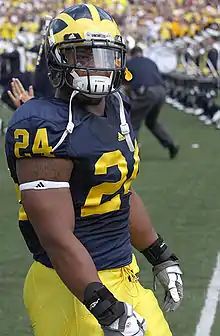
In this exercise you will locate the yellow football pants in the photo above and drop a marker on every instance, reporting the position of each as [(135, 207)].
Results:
[(54, 311)]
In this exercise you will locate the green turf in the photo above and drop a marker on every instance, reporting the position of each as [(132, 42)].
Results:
[(182, 197)]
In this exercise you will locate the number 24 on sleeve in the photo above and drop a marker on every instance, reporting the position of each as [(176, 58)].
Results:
[(40, 145)]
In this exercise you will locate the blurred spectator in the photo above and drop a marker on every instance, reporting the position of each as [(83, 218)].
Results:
[(142, 22), (147, 93)]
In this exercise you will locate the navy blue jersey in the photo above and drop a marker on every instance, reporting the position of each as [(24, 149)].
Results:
[(100, 181)]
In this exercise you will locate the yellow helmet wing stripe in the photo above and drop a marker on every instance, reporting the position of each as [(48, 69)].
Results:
[(83, 24), (66, 18), (68, 30), (71, 24), (94, 13)]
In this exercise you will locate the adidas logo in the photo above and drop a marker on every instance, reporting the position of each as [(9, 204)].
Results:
[(72, 36), (120, 137), (40, 185)]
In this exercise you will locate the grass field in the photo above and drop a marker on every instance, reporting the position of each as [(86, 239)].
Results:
[(182, 197)]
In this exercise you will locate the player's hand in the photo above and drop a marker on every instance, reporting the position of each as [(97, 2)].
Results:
[(129, 324), (18, 94), (166, 269), (169, 275)]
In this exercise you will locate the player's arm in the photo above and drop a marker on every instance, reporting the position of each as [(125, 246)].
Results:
[(51, 213), (141, 229), (165, 264)]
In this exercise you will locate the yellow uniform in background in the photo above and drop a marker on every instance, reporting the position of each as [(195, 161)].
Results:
[(175, 29), (8, 30), (109, 3), (166, 31), (183, 29)]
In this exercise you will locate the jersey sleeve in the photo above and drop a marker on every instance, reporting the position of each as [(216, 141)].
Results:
[(33, 131), (34, 137)]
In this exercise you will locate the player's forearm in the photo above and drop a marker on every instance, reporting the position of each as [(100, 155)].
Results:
[(54, 225), (141, 229), (73, 264)]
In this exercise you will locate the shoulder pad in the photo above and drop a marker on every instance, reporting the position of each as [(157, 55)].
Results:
[(125, 99), (35, 129)]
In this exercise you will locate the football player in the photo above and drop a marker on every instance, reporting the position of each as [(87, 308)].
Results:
[(73, 158)]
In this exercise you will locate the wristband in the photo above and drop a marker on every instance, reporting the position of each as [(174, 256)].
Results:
[(102, 304), (158, 252)]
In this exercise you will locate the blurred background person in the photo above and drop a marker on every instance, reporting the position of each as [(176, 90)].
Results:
[(147, 93)]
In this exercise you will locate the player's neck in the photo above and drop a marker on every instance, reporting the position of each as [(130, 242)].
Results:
[(98, 109), (94, 106), (63, 93)]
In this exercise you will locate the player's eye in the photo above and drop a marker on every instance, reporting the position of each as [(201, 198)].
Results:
[(85, 59)]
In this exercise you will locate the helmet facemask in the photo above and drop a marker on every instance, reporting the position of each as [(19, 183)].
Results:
[(93, 67)]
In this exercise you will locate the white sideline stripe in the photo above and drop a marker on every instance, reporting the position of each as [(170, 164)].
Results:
[(208, 313)]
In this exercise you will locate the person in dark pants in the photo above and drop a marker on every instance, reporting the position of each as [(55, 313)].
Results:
[(147, 94)]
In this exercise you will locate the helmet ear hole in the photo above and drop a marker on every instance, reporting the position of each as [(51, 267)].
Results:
[(57, 78)]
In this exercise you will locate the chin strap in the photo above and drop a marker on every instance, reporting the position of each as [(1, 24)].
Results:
[(125, 130), (70, 126)]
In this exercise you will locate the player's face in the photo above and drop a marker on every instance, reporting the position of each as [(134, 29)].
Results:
[(84, 57), (92, 58)]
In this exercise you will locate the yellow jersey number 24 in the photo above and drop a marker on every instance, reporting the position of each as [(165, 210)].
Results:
[(40, 145), (92, 205)]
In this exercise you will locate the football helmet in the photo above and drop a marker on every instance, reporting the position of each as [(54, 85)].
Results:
[(84, 49)]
